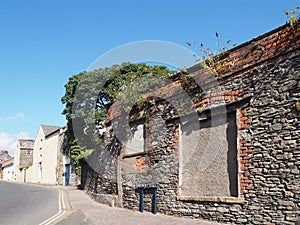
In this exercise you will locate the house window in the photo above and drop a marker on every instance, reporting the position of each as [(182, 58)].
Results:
[(136, 143), (28, 152), (208, 158)]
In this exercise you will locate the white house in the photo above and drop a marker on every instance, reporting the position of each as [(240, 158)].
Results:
[(8, 169), (51, 161), (23, 159)]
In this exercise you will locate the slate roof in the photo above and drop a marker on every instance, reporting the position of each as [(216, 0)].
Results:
[(48, 129)]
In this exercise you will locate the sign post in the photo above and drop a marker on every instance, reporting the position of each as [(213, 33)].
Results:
[(142, 187)]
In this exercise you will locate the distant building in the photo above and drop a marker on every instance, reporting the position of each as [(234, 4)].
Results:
[(7, 168), (23, 159), (4, 156), (51, 162)]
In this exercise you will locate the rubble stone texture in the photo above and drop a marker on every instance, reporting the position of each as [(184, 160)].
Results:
[(260, 86)]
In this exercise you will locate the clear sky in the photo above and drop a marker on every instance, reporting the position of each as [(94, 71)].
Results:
[(43, 43)]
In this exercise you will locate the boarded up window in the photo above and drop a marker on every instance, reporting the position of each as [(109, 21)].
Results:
[(208, 157), (137, 141)]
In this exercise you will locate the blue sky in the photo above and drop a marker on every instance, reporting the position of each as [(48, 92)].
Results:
[(43, 43)]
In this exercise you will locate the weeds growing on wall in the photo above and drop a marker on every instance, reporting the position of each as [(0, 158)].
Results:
[(293, 16), (213, 59)]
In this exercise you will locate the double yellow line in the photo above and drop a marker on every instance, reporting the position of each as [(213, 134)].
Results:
[(61, 212)]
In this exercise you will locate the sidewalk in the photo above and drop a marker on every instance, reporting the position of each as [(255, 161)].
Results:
[(82, 210)]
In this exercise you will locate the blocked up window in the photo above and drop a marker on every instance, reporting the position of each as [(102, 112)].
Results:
[(208, 157), (137, 141), (28, 152)]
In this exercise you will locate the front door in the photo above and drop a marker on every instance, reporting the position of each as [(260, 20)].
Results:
[(67, 174)]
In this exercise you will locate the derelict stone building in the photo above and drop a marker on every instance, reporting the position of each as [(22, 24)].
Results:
[(236, 160)]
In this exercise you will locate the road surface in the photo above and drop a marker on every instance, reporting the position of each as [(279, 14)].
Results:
[(27, 204)]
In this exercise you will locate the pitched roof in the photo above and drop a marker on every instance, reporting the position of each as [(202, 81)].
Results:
[(7, 162), (26, 143), (48, 129), (4, 155)]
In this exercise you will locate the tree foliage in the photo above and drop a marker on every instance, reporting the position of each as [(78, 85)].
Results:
[(88, 94)]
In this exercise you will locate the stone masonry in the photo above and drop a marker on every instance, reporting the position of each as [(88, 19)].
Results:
[(258, 86), (26, 153)]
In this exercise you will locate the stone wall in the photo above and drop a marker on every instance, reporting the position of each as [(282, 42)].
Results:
[(260, 84), (26, 153), (99, 172)]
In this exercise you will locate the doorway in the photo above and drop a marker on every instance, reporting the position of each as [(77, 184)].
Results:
[(67, 174)]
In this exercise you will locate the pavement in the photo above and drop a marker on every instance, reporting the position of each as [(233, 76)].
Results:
[(82, 210)]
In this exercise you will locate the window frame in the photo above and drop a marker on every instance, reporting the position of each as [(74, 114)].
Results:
[(142, 152), (219, 199)]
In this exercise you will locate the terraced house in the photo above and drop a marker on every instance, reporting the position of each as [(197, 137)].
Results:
[(7, 172), (23, 159), (4, 160), (236, 160), (46, 159)]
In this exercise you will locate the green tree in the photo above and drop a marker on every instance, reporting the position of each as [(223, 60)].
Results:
[(88, 94)]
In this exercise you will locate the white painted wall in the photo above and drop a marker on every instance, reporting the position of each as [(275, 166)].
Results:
[(22, 159), (18, 175), (33, 171), (43, 169), (49, 159), (8, 171)]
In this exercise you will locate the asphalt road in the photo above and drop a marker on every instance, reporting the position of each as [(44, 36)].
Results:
[(26, 204)]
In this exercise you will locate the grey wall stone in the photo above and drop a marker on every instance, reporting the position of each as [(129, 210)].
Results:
[(264, 91)]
